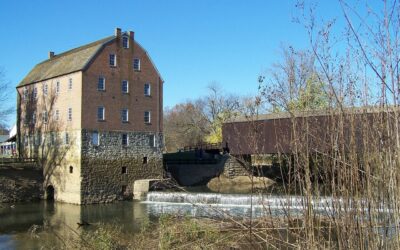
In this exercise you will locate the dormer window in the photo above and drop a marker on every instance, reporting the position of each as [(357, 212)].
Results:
[(125, 42), (136, 64), (113, 60)]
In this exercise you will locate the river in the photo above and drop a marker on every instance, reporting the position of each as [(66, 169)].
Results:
[(18, 221)]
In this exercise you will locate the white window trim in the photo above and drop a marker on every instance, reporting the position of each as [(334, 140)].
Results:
[(57, 115), (127, 139), (149, 92), (147, 122), (127, 115), (58, 87), (127, 42), (103, 118), (127, 86), (104, 83), (70, 84), (97, 134), (69, 115), (139, 64), (115, 60)]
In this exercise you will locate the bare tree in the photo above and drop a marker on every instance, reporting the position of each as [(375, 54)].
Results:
[(6, 106)]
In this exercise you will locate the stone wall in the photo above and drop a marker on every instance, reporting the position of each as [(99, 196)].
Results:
[(234, 167), (102, 174), (20, 184)]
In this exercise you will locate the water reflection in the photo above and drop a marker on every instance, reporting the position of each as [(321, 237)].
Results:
[(57, 223)]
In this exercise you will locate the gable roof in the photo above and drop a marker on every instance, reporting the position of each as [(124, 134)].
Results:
[(70, 61)]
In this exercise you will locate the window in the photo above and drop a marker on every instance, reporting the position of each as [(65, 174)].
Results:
[(125, 86), (113, 60), (25, 93), (66, 138), (70, 83), (125, 139), (147, 89), (124, 115), (152, 141), (147, 118), (123, 170), (34, 118), (45, 89), (57, 115), (145, 160), (35, 93), (45, 116), (52, 139), (37, 139), (69, 114), (95, 138), (101, 84), (57, 87), (100, 113), (71, 169), (125, 42), (136, 64)]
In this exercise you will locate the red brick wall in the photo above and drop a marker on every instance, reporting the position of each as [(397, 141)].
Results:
[(113, 99)]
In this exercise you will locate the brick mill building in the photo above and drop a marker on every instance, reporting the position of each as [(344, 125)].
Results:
[(93, 117)]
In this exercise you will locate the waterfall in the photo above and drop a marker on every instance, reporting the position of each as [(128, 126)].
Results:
[(215, 205)]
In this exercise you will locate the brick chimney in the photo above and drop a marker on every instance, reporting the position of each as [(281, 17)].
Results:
[(51, 54), (118, 32), (131, 35)]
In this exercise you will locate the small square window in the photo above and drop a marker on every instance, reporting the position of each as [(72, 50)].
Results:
[(125, 86), (125, 115), (45, 117), (52, 139), (125, 139), (69, 114), (57, 115), (25, 93), (66, 138), (95, 138), (147, 117), (136, 64), (35, 93), (113, 60), (34, 118), (152, 141), (70, 83), (100, 113), (145, 160), (37, 139), (101, 84), (123, 170), (147, 90), (57, 87), (125, 42), (45, 90)]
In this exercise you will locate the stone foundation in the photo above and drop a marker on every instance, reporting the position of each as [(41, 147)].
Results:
[(234, 167), (109, 170)]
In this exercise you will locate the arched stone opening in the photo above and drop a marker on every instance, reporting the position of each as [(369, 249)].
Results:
[(50, 193)]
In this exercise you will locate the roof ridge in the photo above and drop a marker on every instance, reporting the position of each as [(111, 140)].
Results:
[(85, 46)]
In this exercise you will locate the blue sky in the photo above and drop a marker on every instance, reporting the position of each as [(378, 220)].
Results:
[(193, 43)]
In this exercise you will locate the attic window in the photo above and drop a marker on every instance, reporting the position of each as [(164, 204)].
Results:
[(125, 42), (136, 64), (113, 60)]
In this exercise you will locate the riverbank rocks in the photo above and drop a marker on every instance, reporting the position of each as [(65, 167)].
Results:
[(19, 184), (238, 184)]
